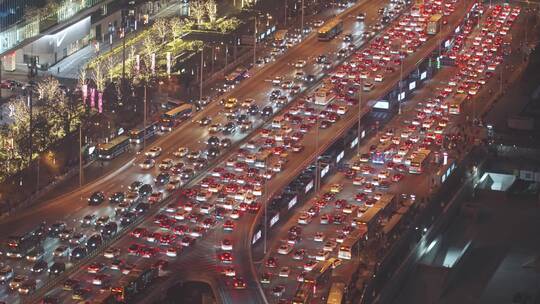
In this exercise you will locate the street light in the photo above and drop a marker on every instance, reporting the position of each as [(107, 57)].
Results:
[(359, 116)]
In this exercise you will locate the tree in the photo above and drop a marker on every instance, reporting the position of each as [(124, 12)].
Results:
[(197, 9), (162, 28), (228, 25), (177, 27), (49, 89), (20, 128), (98, 76), (211, 9)]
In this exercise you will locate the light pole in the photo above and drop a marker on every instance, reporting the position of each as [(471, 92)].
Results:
[(285, 21), (317, 174), (255, 42), (265, 202), (302, 21), (80, 156), (400, 84), (144, 117), (201, 76), (359, 117)]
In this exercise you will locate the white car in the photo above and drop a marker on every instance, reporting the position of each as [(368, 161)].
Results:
[(166, 164), (285, 249), (300, 64), (153, 152), (322, 255), (181, 152), (319, 237), (226, 245), (111, 253), (284, 272), (147, 164)]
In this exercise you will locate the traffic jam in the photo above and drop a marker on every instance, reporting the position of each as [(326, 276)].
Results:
[(364, 201), (211, 201), (237, 185)]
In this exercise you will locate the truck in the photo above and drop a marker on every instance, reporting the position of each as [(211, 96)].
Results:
[(434, 24)]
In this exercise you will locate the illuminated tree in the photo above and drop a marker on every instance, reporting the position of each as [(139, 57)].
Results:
[(198, 10), (211, 9), (49, 89), (177, 27), (161, 29), (228, 25)]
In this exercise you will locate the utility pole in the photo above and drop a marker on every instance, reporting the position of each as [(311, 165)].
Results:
[(255, 42), (124, 21), (302, 21), (285, 22), (144, 117), (202, 69), (359, 116), (265, 202), (80, 156)]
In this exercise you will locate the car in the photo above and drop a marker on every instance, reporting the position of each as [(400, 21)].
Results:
[(154, 152), (39, 266), (78, 252), (319, 237), (309, 265), (284, 272), (117, 197), (57, 268), (225, 257), (61, 251), (111, 253), (95, 267), (205, 121), (361, 17), (147, 164), (239, 283), (96, 198), (322, 255), (299, 254), (226, 244), (71, 284), (278, 290), (271, 262), (266, 277), (181, 152), (336, 188), (16, 282), (300, 64), (285, 249)]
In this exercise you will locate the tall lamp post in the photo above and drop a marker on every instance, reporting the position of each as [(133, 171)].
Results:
[(359, 117), (255, 42)]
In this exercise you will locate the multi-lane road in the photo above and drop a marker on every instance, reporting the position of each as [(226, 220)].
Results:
[(199, 262)]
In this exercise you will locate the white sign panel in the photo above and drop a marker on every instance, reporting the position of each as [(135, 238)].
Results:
[(325, 170), (274, 220), (256, 237), (292, 202), (354, 142), (309, 186), (423, 75), (340, 156)]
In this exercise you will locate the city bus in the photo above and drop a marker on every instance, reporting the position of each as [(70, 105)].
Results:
[(113, 148), (137, 136), (330, 30), (335, 295), (384, 152), (321, 273), (171, 118), (134, 283), (18, 246), (419, 161), (303, 294), (352, 241), (455, 105)]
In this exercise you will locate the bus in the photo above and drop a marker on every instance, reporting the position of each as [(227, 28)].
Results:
[(19, 246), (387, 203), (235, 77), (171, 118), (418, 162), (303, 294), (390, 226), (113, 148), (455, 105), (137, 136), (335, 295), (134, 283), (279, 37), (321, 273), (353, 240), (330, 30)]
